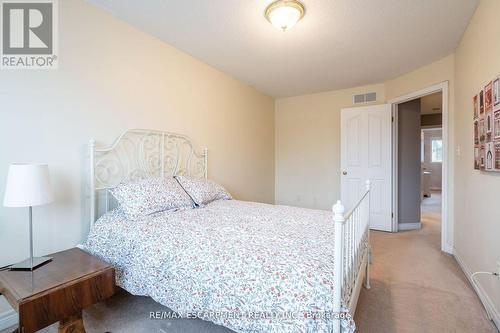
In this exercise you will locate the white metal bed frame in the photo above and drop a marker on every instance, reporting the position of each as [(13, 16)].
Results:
[(352, 244), (140, 153)]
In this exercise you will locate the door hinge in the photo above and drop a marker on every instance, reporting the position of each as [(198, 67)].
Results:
[(392, 215), (392, 118)]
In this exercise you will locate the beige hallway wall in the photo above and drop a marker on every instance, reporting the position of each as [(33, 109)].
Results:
[(113, 77), (477, 209)]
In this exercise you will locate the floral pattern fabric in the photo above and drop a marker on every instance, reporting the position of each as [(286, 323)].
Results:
[(145, 197), (262, 268), (203, 191)]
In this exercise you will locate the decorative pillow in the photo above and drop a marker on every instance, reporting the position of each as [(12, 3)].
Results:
[(203, 191), (150, 196)]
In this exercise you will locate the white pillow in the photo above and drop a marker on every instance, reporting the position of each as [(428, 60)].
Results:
[(149, 196), (203, 191)]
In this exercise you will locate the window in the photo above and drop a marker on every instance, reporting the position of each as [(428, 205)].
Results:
[(437, 150)]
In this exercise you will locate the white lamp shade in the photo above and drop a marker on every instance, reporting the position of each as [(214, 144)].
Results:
[(28, 185)]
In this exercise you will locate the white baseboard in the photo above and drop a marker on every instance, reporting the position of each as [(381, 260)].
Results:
[(448, 248), (483, 296), (409, 226), (8, 319)]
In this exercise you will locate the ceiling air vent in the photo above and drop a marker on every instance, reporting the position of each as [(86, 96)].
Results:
[(365, 98)]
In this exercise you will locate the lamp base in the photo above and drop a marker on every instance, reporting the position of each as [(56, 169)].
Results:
[(26, 264)]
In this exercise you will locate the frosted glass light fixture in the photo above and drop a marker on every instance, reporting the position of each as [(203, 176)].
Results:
[(284, 14)]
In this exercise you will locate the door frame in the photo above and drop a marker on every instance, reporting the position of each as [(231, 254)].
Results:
[(446, 222)]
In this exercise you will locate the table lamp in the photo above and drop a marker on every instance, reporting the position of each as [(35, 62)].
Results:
[(28, 185)]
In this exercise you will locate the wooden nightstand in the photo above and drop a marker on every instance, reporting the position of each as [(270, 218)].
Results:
[(62, 288)]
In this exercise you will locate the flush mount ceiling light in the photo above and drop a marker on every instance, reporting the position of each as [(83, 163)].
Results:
[(283, 14)]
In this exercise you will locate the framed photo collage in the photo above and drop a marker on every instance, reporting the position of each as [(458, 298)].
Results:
[(486, 106)]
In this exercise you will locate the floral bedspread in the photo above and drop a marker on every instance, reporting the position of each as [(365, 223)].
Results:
[(248, 266)]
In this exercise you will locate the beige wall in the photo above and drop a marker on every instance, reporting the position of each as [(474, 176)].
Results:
[(308, 146), (308, 134), (113, 77), (477, 209)]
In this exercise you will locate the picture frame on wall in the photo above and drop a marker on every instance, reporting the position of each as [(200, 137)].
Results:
[(477, 161), (476, 132), (481, 102), (496, 125), (497, 155), (481, 157), (488, 111), (488, 97), (488, 123), (486, 127), (488, 156), (496, 92), (475, 105), (482, 131)]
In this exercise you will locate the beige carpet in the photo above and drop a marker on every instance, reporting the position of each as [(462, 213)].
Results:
[(415, 288)]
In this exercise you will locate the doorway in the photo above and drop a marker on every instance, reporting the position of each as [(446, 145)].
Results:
[(432, 160), (435, 197)]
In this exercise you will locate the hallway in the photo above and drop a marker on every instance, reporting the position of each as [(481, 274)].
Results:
[(417, 288)]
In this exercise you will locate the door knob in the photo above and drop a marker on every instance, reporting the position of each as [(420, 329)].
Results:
[(344, 172)]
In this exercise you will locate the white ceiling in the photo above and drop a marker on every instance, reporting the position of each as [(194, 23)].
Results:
[(338, 44)]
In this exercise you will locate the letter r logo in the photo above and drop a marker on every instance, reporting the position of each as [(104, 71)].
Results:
[(27, 28)]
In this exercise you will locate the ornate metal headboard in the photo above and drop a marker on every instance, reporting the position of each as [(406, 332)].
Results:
[(140, 154)]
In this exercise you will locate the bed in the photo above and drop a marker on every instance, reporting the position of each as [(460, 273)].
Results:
[(249, 266)]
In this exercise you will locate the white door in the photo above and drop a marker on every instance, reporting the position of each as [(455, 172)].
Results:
[(366, 139)]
